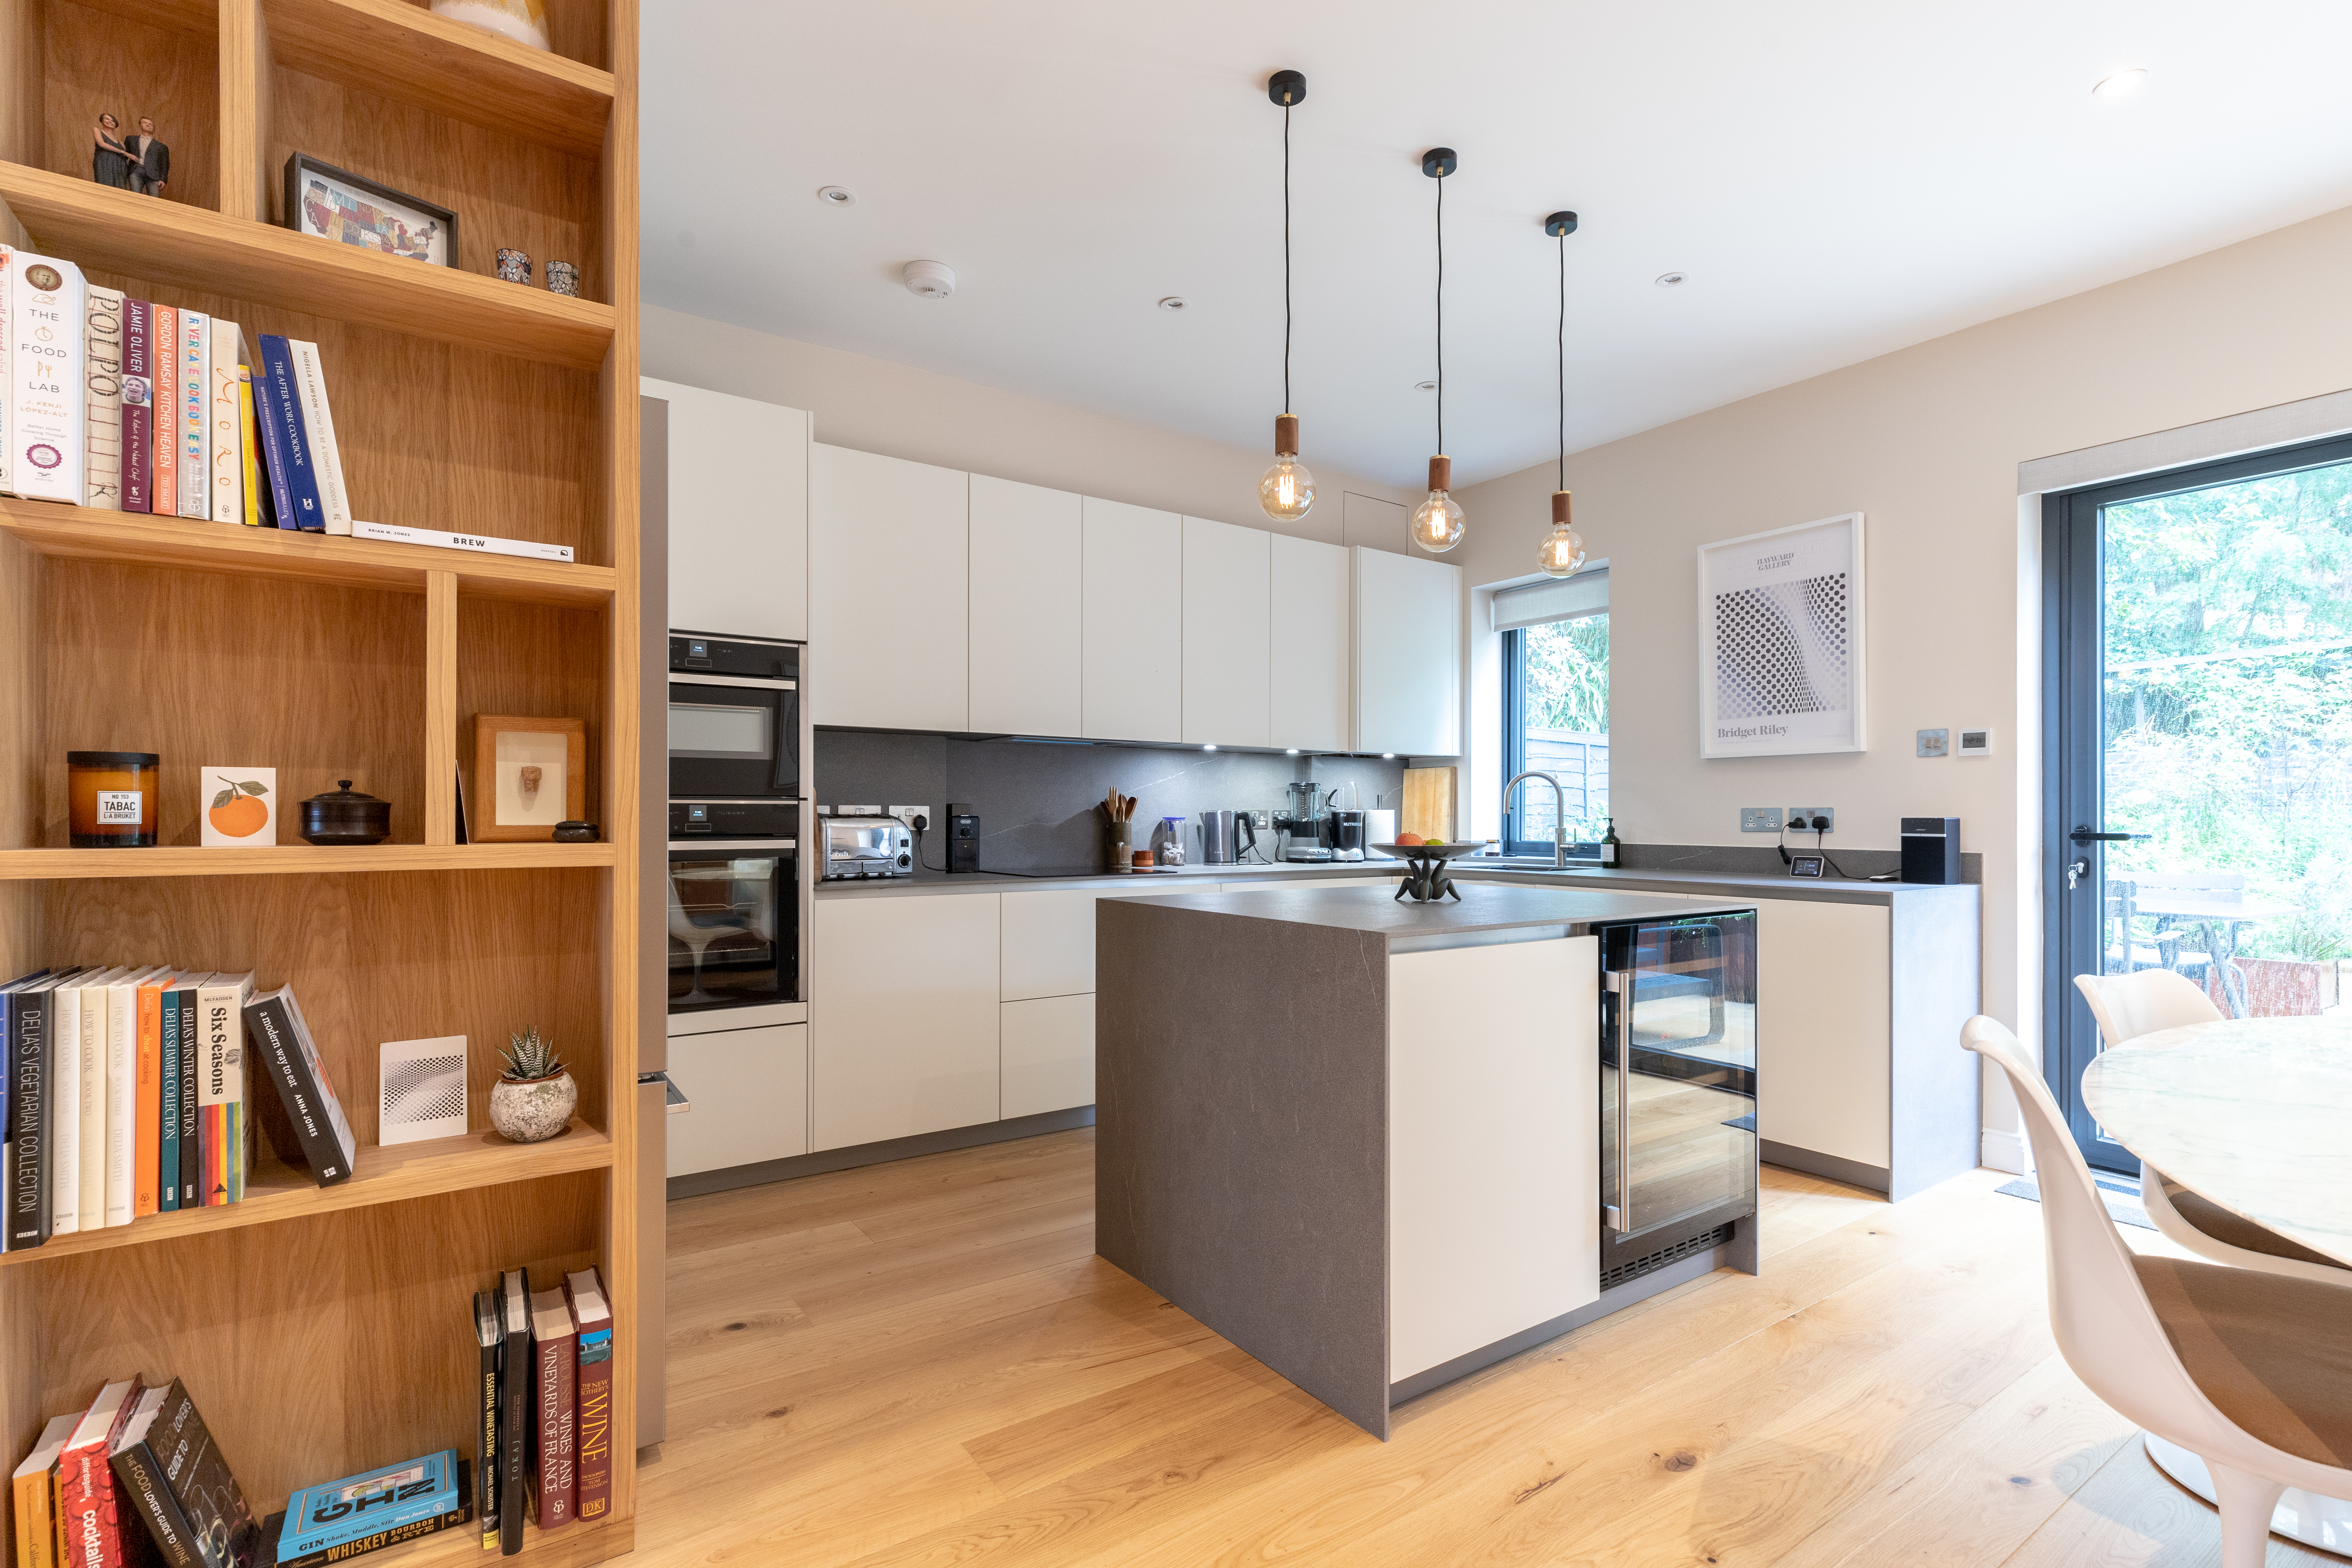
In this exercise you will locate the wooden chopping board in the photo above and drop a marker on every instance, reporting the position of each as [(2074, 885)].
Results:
[(1428, 802)]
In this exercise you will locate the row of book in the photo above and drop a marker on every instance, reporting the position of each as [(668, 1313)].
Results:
[(129, 404), (544, 1445), (127, 1094), (138, 1456)]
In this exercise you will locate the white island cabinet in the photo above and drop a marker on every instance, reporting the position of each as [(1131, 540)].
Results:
[(738, 498), (890, 592)]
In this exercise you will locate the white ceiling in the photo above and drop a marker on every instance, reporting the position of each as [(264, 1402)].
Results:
[(1837, 179)]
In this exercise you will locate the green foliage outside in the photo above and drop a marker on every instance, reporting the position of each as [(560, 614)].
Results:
[(2241, 763), (1568, 675)]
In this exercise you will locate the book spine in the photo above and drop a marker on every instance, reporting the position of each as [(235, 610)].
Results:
[(167, 1103), (147, 1101), (400, 533), (285, 442), (319, 420), (65, 1112), (196, 382), (102, 479), (558, 1486), (91, 1201), (189, 1175), (85, 1502), (485, 1437), (592, 1433), (196, 1474), (338, 1127), (35, 1522), (140, 1480), (45, 332), (220, 1096), (249, 447), (138, 405), (270, 1027), (514, 1424), (163, 440), (7, 368), (228, 460), (121, 1081), (28, 1123), (344, 1551)]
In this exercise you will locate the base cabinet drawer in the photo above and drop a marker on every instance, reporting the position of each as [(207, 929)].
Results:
[(904, 1014), (749, 1093), (1048, 1053)]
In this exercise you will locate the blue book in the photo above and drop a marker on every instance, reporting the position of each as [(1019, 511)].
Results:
[(167, 1155), (336, 1513), (286, 438)]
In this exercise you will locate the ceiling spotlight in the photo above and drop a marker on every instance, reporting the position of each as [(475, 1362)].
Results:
[(1671, 280), (2123, 84), (931, 279), (1173, 302), (838, 196), (1425, 386)]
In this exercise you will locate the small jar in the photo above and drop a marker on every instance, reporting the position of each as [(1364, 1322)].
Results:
[(111, 798)]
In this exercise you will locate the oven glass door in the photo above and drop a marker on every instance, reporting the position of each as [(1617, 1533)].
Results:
[(734, 919), (734, 739)]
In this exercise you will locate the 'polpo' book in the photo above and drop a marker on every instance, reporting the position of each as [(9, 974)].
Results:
[(102, 479)]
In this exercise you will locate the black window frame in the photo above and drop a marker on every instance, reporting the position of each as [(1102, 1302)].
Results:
[(1515, 737)]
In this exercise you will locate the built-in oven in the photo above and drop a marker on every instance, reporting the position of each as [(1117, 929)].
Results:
[(735, 902), (1679, 1144), (734, 718)]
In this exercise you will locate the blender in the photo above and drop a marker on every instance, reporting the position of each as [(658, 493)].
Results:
[(1302, 824)]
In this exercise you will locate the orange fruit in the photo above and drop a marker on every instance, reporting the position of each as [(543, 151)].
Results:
[(1408, 837), (241, 818)]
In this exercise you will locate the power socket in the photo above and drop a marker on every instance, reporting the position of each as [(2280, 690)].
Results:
[(1800, 817), (906, 814), (1760, 819), (1262, 820)]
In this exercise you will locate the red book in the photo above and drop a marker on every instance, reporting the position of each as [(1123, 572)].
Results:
[(138, 405), (555, 1353), (163, 441), (592, 1432), (88, 1508)]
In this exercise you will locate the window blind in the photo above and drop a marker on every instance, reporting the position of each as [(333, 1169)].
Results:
[(1559, 599)]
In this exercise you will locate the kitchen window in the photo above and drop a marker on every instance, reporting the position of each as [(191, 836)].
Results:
[(1555, 671)]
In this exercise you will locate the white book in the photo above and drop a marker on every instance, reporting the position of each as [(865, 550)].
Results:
[(91, 1094), (122, 1090), (318, 424), (481, 544), (229, 423), (65, 1108), (45, 382), (101, 446), (7, 373), (220, 1074), (193, 383)]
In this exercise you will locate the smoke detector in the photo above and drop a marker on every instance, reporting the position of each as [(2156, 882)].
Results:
[(931, 279)]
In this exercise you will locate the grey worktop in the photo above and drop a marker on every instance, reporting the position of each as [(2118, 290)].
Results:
[(1483, 908), (929, 881)]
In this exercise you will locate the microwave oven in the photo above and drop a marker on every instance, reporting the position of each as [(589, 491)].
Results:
[(734, 718)]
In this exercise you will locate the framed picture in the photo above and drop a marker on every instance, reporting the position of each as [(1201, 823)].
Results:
[(528, 775), (1781, 643), (337, 205)]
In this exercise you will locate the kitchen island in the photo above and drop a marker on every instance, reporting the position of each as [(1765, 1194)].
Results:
[(1370, 1142)]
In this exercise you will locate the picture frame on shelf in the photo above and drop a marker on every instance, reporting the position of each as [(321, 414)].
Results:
[(528, 775), (352, 209), (1780, 641)]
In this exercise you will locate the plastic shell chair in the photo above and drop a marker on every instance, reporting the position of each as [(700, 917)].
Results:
[(2251, 1372), (2127, 1006)]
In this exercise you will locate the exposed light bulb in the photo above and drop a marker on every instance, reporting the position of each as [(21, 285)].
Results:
[(1287, 493), (1437, 524), (1563, 553)]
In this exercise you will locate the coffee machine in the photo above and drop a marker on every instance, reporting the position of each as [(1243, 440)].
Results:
[(1305, 830)]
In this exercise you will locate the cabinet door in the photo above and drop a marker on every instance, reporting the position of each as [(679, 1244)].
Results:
[(1228, 625), (1048, 946), (904, 1016), (1048, 1053), (738, 498), (1824, 1029), (1408, 654), (1310, 645), (1025, 558), (888, 592), (1131, 667), (749, 1089)]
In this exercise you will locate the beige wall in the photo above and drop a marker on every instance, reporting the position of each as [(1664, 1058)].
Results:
[(1926, 442), (874, 406)]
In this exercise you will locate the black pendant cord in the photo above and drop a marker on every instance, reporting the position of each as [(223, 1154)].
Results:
[(1441, 315), (1562, 345), (1286, 259)]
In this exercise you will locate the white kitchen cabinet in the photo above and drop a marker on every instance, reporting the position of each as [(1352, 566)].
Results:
[(739, 509), (1407, 636), (1048, 1052), (904, 1016), (749, 1089), (1025, 571), (1048, 943), (890, 592), (1823, 1064), (1309, 645), (1131, 674), (1228, 625)]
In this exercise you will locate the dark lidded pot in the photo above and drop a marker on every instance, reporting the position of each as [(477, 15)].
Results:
[(346, 816)]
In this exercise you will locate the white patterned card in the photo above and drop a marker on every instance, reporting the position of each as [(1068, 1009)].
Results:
[(421, 1089)]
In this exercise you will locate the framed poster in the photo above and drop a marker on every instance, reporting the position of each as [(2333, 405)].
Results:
[(335, 203), (1780, 646)]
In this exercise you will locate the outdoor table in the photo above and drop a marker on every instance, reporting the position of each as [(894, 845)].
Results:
[(2218, 919)]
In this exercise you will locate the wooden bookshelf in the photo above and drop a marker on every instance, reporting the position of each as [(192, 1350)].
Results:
[(325, 1330)]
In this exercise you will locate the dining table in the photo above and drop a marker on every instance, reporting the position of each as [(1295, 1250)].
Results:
[(2250, 1114)]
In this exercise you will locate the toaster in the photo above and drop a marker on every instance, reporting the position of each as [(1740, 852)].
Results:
[(864, 846)]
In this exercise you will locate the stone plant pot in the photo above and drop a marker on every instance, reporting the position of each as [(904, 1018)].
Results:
[(535, 1111)]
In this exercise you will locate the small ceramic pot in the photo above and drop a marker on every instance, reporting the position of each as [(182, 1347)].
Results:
[(563, 278), (345, 815), (535, 1111), (514, 266), (574, 833)]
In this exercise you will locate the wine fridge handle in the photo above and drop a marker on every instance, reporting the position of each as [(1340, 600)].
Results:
[(1618, 1216)]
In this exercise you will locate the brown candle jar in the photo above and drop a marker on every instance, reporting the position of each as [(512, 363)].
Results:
[(111, 798)]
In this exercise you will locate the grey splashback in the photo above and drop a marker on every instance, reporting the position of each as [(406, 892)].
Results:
[(1742, 861), (1037, 800)]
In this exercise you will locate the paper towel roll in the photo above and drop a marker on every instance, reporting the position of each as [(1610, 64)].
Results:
[(1380, 827)]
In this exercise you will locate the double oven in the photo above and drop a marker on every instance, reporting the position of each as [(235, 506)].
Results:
[(738, 903)]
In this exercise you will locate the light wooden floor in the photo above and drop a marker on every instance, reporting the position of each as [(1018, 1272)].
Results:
[(923, 1364)]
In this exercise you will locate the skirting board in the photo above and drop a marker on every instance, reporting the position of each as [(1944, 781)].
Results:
[(2006, 1150), (785, 1170), (1853, 1173)]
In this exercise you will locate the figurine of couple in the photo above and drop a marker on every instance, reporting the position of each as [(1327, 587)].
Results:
[(138, 162)]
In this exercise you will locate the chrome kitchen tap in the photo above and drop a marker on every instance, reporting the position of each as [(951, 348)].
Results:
[(1558, 814)]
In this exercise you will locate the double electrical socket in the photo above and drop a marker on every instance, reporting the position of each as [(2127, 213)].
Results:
[(906, 814), (1800, 817), (1797, 818)]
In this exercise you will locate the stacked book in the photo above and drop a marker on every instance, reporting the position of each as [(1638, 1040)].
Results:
[(543, 1448), (126, 1095), (133, 1478)]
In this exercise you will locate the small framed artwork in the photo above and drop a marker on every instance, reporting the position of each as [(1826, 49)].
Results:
[(528, 775), (1780, 641), (238, 806), (335, 203)]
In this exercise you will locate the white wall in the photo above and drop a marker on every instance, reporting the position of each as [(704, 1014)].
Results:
[(1926, 442), (874, 406)]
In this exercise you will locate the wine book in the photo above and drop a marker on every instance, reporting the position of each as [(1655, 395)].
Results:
[(285, 440), (138, 405), (514, 1400), (398, 533), (593, 1428), (290, 1058), (319, 419), (194, 383), (224, 1134), (341, 1514), (555, 1363), (227, 419), (166, 1459), (46, 312), (102, 479), (34, 1486), (163, 439), (89, 1509)]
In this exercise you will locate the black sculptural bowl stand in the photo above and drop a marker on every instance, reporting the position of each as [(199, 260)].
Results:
[(1425, 880)]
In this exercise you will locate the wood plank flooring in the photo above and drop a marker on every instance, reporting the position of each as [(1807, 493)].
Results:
[(923, 1364)]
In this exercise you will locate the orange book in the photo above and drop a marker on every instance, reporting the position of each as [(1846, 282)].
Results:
[(164, 483), (147, 1142)]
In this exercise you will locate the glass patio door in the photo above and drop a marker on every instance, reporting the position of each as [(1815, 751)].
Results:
[(2198, 743)]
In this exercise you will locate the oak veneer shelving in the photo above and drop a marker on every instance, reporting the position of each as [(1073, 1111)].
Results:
[(293, 859)]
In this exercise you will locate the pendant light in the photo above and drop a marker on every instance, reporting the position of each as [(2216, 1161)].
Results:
[(1438, 521), (1287, 493), (1562, 554)]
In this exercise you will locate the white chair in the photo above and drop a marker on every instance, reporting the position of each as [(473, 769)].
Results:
[(2130, 1006), (2251, 1372)]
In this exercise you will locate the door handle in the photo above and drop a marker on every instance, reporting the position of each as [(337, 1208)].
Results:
[(1618, 1216), (2085, 835)]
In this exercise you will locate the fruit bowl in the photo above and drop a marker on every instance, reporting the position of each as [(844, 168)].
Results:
[(1427, 881), (1430, 851)]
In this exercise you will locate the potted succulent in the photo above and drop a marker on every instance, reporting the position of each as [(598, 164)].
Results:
[(534, 1096)]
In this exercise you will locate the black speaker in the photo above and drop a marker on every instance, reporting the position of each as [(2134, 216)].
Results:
[(963, 839), (1931, 849)]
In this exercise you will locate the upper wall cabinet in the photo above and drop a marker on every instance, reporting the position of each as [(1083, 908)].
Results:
[(1228, 622), (1309, 643), (889, 589), (1408, 654), (1132, 673), (1024, 608), (739, 508)]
